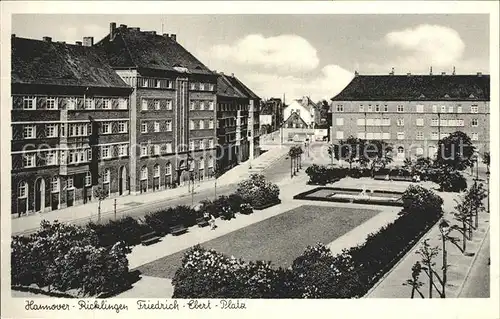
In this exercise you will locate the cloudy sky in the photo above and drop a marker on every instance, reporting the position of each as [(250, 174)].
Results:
[(298, 55)]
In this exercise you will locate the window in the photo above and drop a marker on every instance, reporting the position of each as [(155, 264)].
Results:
[(202, 86), (401, 122), (474, 109), (144, 127), (401, 151), (156, 149), (434, 122), (459, 109), (89, 103), (434, 109), (339, 121), (106, 151), (211, 163), (420, 122), (123, 150), (156, 170), (122, 104), (55, 184), (169, 125), (401, 108), (107, 176), (201, 164), (158, 83), (211, 87), (144, 173), (434, 136), (370, 108), (71, 103), (122, 127), (145, 83), (444, 135), (401, 135), (420, 135), (169, 104), (450, 109), (192, 86), (192, 106), (386, 136), (443, 108), (460, 122), (202, 124), (106, 104), (22, 189), (452, 122), (340, 108), (419, 151), (361, 108), (361, 122), (377, 108), (369, 122), (168, 169), (51, 158), (369, 136), (29, 103), (51, 103), (191, 145), (339, 135), (420, 108), (106, 128), (169, 84), (211, 124), (144, 150), (202, 106), (377, 122), (202, 144), (29, 160), (211, 105), (29, 131), (475, 137), (157, 126), (443, 122), (169, 147), (88, 179), (361, 135), (191, 124), (377, 136), (211, 143), (70, 182), (157, 105), (386, 122), (144, 105)]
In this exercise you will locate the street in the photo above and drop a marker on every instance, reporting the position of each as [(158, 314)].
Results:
[(477, 285)]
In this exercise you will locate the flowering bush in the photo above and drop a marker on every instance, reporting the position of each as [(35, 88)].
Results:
[(322, 175), (257, 191), (161, 220), (126, 229), (246, 209)]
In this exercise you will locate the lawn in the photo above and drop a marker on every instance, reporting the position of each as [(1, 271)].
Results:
[(279, 239)]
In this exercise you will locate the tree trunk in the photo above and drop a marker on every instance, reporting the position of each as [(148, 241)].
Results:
[(215, 188), (430, 281), (464, 239)]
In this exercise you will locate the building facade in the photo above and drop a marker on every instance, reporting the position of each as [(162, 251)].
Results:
[(305, 109), (413, 112), (172, 113), (70, 127)]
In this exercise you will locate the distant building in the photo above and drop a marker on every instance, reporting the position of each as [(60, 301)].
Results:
[(305, 114), (272, 113), (172, 112), (412, 112), (70, 125)]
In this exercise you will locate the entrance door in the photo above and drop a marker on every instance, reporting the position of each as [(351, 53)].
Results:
[(123, 180), (39, 195), (70, 197)]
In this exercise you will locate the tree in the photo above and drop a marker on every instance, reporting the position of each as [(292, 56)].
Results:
[(486, 159), (415, 282), (218, 171), (101, 194), (351, 150), (428, 253), (455, 152), (462, 215), (378, 153)]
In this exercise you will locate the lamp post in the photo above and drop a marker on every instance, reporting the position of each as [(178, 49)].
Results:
[(488, 189), (444, 228)]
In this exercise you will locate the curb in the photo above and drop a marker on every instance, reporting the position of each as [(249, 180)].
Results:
[(467, 274)]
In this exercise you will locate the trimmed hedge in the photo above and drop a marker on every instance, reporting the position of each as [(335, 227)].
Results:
[(316, 273)]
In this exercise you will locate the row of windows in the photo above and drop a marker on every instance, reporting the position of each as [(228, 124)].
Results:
[(419, 108), (201, 105), (74, 129), (148, 104), (156, 126), (87, 103), (230, 107), (200, 124), (400, 135), (55, 183), (158, 149), (155, 83), (201, 86), (168, 169), (418, 122)]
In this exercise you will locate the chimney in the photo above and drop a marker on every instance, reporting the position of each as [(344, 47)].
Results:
[(408, 74), (112, 31), (453, 71), (443, 73), (356, 73), (479, 74), (123, 26), (13, 35), (222, 73), (232, 75), (79, 43), (392, 71), (430, 73), (173, 37), (152, 32), (165, 35), (88, 41), (47, 39)]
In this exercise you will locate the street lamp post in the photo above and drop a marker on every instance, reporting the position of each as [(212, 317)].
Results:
[(488, 189), (444, 228)]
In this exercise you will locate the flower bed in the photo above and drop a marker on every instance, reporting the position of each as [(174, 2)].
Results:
[(354, 198), (258, 192)]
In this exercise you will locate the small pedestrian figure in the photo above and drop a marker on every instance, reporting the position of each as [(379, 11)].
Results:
[(206, 216), (212, 222)]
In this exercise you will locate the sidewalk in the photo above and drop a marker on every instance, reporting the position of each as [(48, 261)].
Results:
[(391, 285)]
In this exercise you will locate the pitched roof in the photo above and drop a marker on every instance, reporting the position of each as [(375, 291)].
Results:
[(295, 118), (57, 63), (134, 48), (416, 87), (242, 87), (307, 103), (226, 88)]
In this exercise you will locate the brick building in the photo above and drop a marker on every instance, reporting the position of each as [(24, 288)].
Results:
[(172, 111), (70, 125), (412, 112)]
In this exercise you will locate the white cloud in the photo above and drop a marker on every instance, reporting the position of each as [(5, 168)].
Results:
[(288, 53), (427, 45), (326, 85)]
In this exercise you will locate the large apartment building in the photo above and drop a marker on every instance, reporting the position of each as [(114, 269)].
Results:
[(412, 112), (70, 125), (172, 107)]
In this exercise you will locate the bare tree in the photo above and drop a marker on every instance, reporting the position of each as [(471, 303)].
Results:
[(427, 254), (415, 282)]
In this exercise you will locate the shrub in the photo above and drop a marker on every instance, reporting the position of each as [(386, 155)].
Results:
[(246, 209), (126, 229), (257, 191), (451, 181), (161, 221), (235, 201), (322, 175), (420, 200)]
